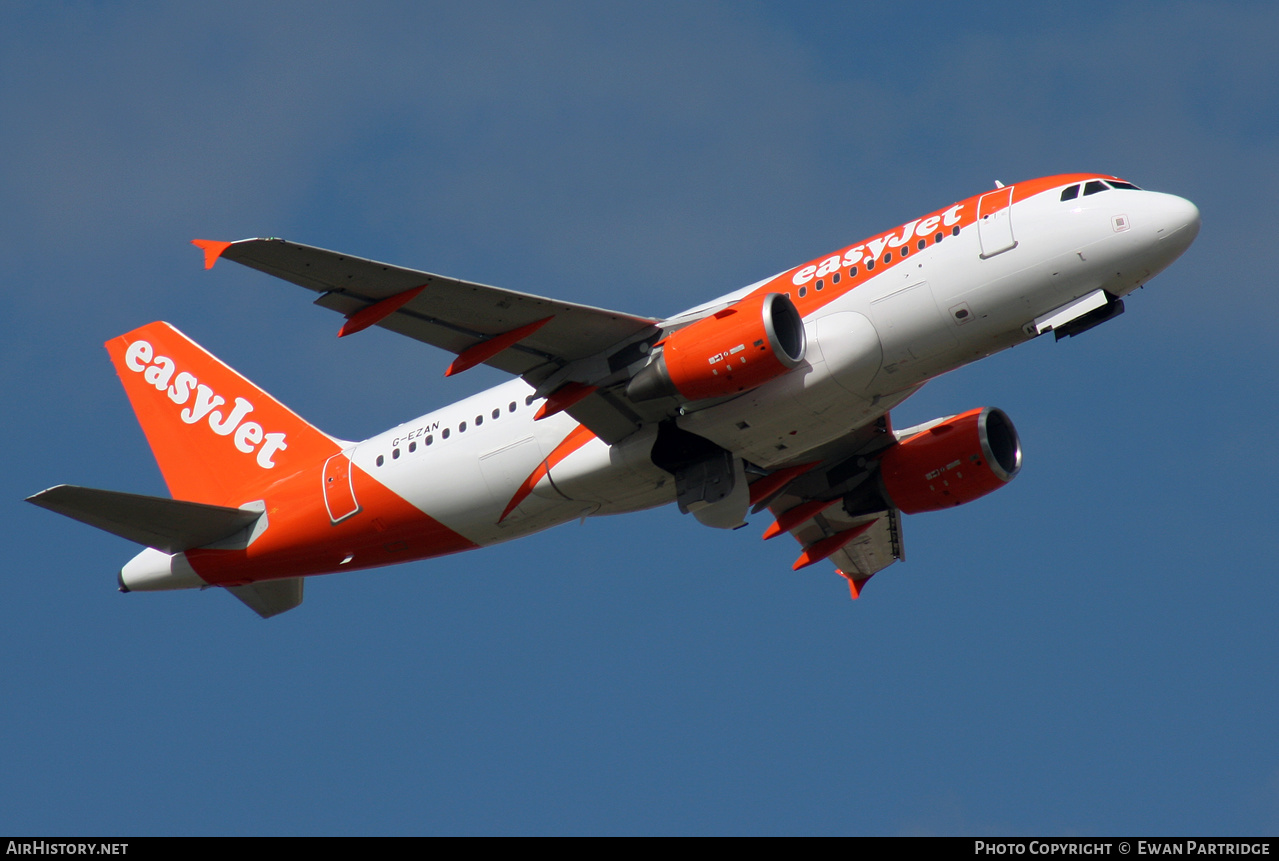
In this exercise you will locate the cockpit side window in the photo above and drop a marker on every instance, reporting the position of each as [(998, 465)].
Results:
[(1094, 187), (1119, 183), (1070, 193)]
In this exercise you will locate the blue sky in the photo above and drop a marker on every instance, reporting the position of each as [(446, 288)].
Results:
[(1092, 650)]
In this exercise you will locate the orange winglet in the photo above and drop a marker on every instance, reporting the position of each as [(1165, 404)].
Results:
[(819, 550), (487, 349), (212, 250), (789, 519), (365, 317), (770, 484), (854, 586), (563, 398)]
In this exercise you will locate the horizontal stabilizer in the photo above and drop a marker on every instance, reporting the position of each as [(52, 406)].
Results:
[(171, 525), (270, 597)]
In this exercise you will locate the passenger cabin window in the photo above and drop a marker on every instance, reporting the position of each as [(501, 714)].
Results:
[(1070, 193)]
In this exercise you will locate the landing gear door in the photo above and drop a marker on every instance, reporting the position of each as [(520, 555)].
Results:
[(994, 222), (339, 488)]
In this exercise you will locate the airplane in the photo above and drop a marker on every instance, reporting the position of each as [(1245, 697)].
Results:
[(775, 396)]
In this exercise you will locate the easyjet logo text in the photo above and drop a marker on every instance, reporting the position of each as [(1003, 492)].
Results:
[(201, 403), (869, 251)]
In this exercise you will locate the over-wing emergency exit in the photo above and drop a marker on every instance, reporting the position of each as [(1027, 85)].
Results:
[(775, 396)]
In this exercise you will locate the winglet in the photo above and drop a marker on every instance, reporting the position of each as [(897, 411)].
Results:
[(378, 311), (212, 250), (487, 349), (854, 586)]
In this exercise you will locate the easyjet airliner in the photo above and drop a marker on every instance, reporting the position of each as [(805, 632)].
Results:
[(776, 396)]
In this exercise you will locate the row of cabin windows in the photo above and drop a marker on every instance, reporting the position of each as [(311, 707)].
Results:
[(1095, 186), (429, 439), (870, 264)]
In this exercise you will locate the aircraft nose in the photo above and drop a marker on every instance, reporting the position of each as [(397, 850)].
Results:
[(1177, 223)]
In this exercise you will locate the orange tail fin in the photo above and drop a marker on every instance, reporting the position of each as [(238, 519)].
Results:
[(218, 438)]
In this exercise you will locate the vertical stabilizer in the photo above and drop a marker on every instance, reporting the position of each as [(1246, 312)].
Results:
[(218, 438)]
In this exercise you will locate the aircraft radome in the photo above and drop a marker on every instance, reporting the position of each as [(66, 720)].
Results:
[(776, 396)]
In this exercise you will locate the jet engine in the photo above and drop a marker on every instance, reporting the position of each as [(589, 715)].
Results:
[(731, 351), (953, 462)]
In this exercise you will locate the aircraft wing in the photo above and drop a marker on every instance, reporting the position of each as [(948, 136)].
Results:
[(812, 509), (866, 554), (449, 313)]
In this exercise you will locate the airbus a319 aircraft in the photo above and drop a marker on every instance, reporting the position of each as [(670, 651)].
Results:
[(775, 396)]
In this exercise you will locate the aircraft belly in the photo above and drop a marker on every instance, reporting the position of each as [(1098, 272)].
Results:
[(772, 424), (1002, 305)]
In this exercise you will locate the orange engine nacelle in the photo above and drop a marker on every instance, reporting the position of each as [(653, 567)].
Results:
[(956, 461), (731, 351)]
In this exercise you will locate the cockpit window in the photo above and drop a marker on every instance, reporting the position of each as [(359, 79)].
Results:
[(1096, 186)]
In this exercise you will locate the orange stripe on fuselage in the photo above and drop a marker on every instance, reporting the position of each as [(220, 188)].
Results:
[(301, 540), (961, 215)]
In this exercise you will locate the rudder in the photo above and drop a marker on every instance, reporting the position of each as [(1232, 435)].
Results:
[(217, 437)]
